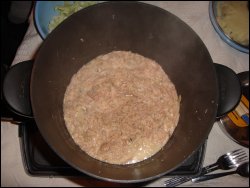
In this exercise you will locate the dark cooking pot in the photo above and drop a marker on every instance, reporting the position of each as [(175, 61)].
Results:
[(153, 33)]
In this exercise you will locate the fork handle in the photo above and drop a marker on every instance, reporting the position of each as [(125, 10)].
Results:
[(211, 176), (173, 182), (209, 168)]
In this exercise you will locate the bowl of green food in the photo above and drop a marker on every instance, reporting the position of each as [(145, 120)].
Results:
[(49, 14)]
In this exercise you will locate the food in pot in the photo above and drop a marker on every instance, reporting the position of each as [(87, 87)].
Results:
[(233, 18), (121, 108)]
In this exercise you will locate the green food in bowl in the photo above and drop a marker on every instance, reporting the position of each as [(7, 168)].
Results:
[(67, 9)]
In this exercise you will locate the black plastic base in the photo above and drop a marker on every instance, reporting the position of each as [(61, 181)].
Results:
[(40, 160)]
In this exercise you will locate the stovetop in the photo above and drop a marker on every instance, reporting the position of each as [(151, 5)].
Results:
[(40, 160)]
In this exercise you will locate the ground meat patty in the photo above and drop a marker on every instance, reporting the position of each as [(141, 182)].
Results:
[(121, 107)]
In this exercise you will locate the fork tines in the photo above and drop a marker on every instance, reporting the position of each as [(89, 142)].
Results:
[(237, 156), (227, 161), (235, 152)]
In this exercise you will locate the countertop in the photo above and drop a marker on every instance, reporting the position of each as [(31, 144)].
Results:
[(196, 15)]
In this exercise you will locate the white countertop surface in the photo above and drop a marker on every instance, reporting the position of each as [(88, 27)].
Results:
[(196, 15)]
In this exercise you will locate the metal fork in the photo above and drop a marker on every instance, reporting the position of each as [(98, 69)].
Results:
[(225, 162)]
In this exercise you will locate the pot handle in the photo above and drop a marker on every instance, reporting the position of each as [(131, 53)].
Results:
[(16, 89), (229, 89)]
